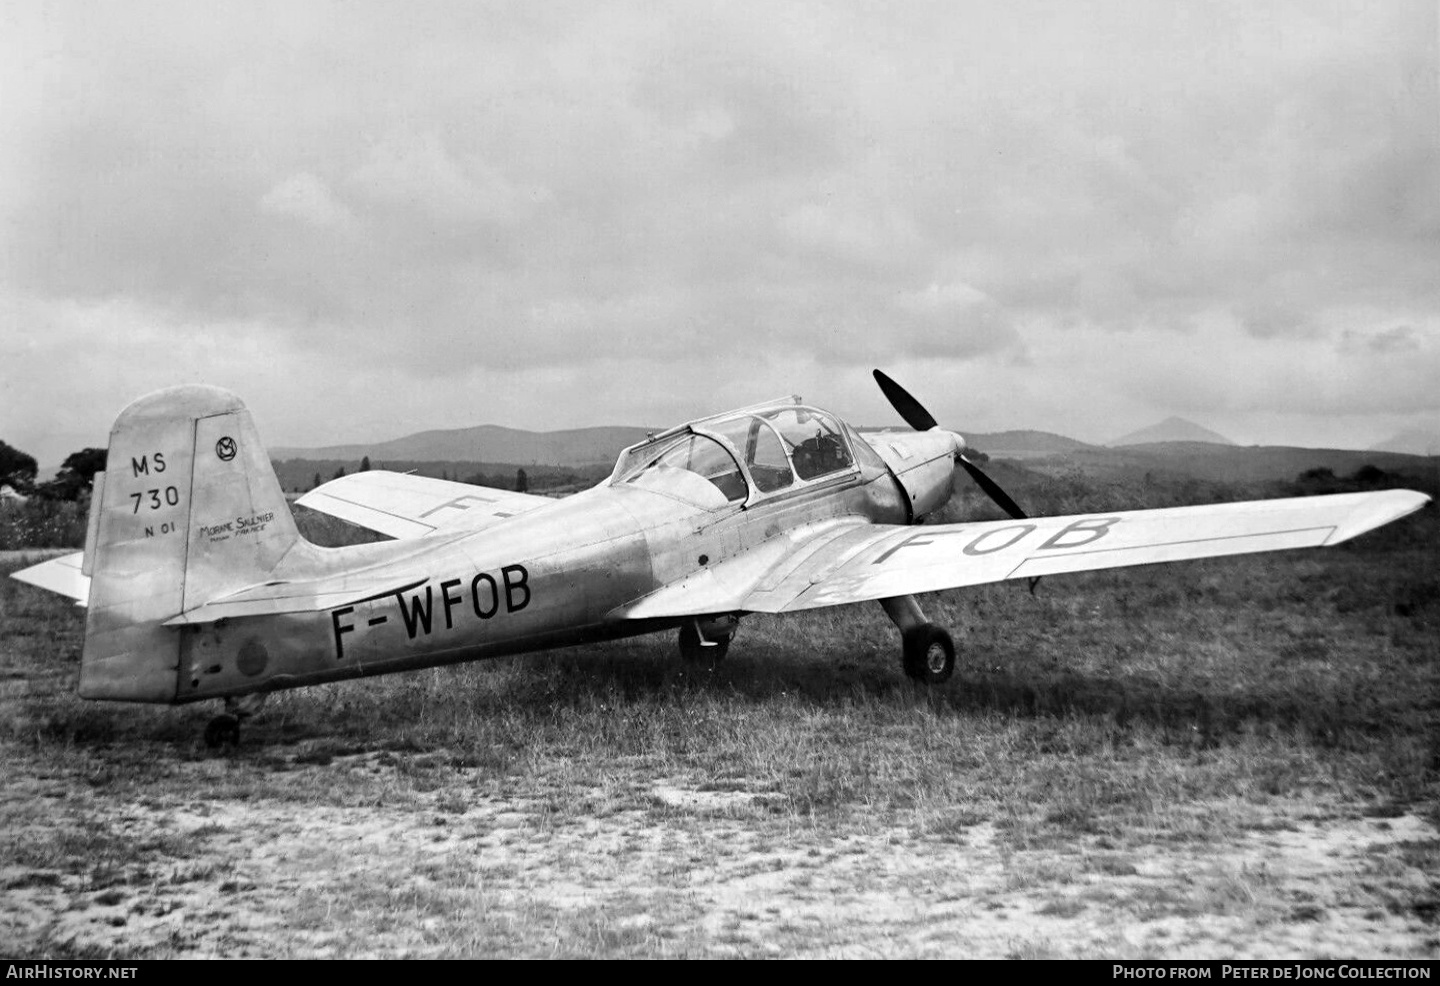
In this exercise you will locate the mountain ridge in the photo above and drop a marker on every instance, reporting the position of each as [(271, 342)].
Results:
[(578, 448), (1172, 429), (486, 443), (1412, 441)]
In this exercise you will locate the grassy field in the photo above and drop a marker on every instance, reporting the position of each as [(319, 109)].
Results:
[(1224, 758), (43, 524)]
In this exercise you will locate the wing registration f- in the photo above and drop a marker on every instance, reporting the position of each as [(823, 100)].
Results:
[(198, 584)]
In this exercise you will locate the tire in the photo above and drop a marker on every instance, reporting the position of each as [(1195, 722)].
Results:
[(222, 730), (691, 652), (929, 654)]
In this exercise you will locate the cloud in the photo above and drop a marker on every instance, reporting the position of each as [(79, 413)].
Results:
[(1395, 340), (415, 173), (865, 235), (1102, 208), (303, 196), (954, 321)]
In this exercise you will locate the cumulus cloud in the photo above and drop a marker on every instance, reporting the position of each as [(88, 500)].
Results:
[(416, 173), (954, 321), (303, 196)]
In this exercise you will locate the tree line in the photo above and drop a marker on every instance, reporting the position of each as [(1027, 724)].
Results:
[(301, 475), (18, 471)]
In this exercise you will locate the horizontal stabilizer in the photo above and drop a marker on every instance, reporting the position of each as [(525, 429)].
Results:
[(60, 575), (404, 506)]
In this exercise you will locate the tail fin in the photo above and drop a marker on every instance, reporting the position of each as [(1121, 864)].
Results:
[(189, 509)]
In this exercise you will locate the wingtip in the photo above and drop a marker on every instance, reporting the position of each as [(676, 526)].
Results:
[(1377, 510)]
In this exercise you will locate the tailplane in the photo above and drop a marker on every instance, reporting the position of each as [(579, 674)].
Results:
[(189, 508)]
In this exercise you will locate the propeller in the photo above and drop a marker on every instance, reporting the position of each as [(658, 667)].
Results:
[(920, 419)]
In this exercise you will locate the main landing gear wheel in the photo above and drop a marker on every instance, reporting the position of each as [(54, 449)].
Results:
[(695, 652), (223, 730), (929, 655)]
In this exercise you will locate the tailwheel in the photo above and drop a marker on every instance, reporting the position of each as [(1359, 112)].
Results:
[(929, 654), (223, 730), (698, 650)]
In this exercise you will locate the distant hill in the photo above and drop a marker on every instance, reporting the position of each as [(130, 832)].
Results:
[(1172, 429), (589, 446), (1001, 442), (1415, 441), (589, 452), (1222, 463), (299, 475), (485, 443)]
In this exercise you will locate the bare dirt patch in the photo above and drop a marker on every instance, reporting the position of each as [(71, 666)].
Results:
[(477, 865)]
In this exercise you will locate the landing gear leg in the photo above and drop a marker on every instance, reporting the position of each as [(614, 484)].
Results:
[(224, 729), (928, 653)]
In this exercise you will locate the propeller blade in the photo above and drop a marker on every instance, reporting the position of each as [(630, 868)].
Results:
[(920, 419), (908, 407), (991, 488)]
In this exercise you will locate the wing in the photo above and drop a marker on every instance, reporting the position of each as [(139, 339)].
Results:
[(879, 561), (60, 575), (725, 586), (406, 506)]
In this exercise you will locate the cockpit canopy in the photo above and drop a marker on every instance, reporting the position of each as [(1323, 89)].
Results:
[(755, 452), (690, 466)]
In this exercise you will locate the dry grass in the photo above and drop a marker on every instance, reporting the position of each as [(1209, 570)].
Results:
[(1221, 758)]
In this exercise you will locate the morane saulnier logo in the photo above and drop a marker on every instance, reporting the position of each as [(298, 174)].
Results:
[(225, 448)]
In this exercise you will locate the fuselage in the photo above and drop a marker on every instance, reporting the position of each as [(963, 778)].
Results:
[(564, 573)]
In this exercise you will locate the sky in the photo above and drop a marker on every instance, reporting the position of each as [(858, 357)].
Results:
[(369, 219)]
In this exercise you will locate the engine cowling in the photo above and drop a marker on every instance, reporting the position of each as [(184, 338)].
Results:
[(923, 463)]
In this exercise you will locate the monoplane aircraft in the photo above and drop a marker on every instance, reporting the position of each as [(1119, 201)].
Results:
[(199, 586)]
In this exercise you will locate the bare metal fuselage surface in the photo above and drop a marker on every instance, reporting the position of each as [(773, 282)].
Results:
[(558, 575)]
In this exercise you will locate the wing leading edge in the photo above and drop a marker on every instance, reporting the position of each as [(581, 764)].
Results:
[(877, 562)]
